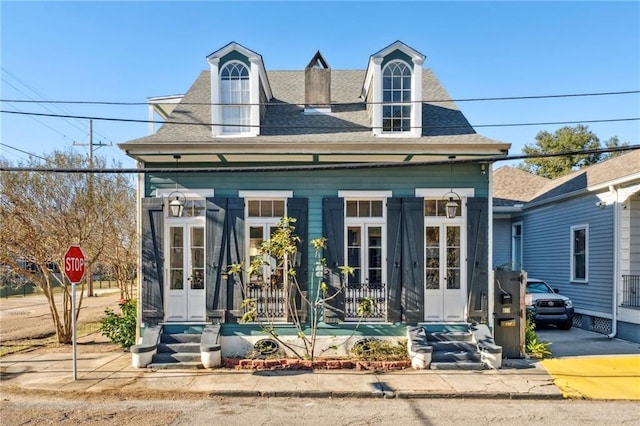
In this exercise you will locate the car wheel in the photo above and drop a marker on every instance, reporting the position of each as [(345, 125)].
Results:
[(565, 325)]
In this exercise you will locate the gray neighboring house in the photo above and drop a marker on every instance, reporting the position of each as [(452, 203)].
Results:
[(581, 234)]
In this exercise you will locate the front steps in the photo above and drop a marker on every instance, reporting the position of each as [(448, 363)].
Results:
[(454, 350), (178, 350), (453, 346), (190, 346)]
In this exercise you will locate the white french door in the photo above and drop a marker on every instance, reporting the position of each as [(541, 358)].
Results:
[(185, 284), (445, 275)]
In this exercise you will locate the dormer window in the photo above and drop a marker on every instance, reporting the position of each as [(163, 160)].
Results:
[(239, 90), (396, 97), (235, 98), (392, 91)]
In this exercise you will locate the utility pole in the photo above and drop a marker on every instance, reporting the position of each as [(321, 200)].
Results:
[(90, 145)]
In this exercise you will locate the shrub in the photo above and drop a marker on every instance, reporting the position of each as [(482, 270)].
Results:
[(120, 329), (380, 350), (533, 346)]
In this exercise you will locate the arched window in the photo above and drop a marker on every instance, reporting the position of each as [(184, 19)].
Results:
[(396, 97), (234, 97)]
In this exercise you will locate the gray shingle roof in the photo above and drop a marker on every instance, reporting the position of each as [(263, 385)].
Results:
[(511, 185), (284, 122)]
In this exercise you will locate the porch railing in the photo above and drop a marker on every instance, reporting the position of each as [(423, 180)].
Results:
[(357, 292), (271, 301), (631, 290)]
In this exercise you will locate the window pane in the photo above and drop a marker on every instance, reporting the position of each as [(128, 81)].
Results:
[(254, 208), (453, 279), (364, 209), (429, 207), (376, 208), (352, 209), (278, 208)]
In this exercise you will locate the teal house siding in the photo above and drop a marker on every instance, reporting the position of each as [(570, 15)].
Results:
[(318, 162)]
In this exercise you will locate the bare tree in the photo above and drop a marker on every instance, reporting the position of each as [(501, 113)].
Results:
[(42, 214)]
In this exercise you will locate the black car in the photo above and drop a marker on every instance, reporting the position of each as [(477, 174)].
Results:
[(547, 306)]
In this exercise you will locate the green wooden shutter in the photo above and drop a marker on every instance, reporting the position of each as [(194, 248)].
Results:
[(477, 258), (394, 256), (152, 261), (413, 259), (234, 228), (216, 261), (298, 208), (333, 231)]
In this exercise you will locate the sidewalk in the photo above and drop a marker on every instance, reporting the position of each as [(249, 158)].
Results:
[(111, 373)]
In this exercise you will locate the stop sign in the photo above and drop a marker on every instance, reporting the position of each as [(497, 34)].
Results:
[(74, 264)]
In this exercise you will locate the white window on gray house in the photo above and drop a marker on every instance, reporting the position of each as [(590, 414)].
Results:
[(235, 98), (579, 253), (396, 97), (365, 252), (516, 246)]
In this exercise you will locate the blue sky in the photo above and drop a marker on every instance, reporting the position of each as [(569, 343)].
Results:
[(129, 51)]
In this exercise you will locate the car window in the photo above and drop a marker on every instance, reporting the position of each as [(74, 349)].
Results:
[(538, 287)]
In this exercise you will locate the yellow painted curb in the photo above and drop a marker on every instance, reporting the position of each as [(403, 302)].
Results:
[(596, 377)]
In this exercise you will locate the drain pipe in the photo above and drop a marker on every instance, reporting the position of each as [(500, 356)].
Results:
[(616, 262)]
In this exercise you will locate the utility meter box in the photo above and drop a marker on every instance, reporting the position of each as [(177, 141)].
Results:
[(509, 313)]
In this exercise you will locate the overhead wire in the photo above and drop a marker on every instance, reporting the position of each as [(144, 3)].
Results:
[(479, 99), (285, 126)]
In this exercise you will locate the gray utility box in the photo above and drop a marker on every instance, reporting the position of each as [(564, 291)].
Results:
[(509, 312)]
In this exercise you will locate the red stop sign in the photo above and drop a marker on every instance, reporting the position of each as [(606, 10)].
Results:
[(74, 264)]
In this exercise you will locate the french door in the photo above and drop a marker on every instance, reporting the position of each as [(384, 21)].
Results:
[(185, 286), (444, 273)]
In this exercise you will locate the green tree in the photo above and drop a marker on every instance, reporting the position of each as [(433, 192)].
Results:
[(565, 139)]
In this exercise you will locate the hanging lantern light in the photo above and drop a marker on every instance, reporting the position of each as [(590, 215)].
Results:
[(454, 202), (176, 205)]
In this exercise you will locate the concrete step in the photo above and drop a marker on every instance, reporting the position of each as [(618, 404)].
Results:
[(176, 357), (460, 336), (455, 356), (179, 348), (180, 338), (458, 365), (453, 346), (175, 365)]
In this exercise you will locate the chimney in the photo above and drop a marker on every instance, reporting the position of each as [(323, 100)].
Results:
[(317, 86)]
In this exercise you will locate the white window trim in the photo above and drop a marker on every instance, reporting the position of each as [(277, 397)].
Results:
[(254, 99), (364, 195), (416, 100), (188, 193), (440, 192), (265, 194), (513, 253), (586, 253)]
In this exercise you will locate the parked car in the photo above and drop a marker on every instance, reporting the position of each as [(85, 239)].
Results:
[(547, 306)]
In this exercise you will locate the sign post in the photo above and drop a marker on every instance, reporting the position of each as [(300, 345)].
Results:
[(74, 270)]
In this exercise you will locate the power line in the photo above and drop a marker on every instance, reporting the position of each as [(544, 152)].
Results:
[(482, 99), (255, 169), (284, 126), (45, 99), (22, 151)]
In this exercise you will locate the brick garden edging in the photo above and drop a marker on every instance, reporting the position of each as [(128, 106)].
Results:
[(298, 364)]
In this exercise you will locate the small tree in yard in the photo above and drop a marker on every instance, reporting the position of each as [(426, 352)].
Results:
[(282, 247), (42, 214)]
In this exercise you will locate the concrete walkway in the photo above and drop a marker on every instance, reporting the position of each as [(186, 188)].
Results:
[(586, 365), (112, 373)]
